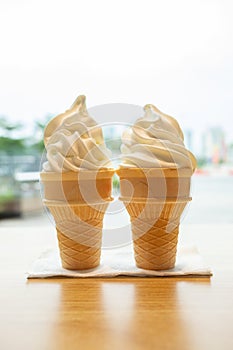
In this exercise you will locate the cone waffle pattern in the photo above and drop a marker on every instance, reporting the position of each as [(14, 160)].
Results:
[(168, 210), (79, 231), (155, 249), (155, 228), (77, 256)]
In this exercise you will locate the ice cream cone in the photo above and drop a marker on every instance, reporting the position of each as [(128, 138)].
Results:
[(155, 200), (78, 202)]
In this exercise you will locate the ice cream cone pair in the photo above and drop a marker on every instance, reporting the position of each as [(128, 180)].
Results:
[(154, 199)]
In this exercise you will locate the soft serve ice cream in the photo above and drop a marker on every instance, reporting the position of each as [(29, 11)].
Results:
[(155, 141), (77, 185), (74, 141), (155, 175)]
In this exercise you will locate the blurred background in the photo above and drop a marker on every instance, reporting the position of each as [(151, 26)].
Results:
[(175, 54)]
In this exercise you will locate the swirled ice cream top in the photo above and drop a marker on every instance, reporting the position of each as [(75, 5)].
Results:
[(154, 141), (74, 141)]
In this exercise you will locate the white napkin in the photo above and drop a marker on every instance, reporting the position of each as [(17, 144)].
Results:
[(119, 262)]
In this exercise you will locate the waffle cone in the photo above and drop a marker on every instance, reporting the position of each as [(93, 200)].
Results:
[(155, 228), (76, 256), (155, 200), (77, 202), (79, 233)]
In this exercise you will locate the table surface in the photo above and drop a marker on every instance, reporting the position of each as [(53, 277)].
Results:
[(115, 313)]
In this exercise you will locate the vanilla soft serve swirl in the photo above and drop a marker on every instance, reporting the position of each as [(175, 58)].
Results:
[(155, 141), (74, 141)]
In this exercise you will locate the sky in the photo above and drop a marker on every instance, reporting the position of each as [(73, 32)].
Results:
[(177, 55)]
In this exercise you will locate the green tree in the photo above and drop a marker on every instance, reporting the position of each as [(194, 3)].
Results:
[(9, 143)]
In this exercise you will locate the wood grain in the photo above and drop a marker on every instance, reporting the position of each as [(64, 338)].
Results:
[(119, 313)]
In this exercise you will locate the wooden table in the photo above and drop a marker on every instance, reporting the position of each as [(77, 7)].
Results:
[(118, 313)]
